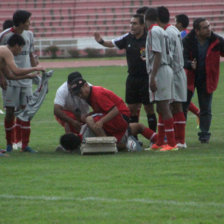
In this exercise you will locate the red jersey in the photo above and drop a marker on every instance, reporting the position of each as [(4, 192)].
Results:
[(103, 100)]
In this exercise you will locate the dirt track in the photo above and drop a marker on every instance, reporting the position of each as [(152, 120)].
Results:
[(84, 63)]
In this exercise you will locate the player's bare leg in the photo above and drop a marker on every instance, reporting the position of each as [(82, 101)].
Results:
[(92, 125), (9, 126), (151, 116)]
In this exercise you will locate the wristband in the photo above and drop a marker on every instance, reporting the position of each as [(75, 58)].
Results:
[(101, 41)]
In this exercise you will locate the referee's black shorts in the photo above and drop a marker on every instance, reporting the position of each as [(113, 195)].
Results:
[(137, 90)]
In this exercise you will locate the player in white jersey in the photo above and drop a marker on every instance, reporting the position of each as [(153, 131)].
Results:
[(180, 81), (68, 108), (160, 80), (18, 93)]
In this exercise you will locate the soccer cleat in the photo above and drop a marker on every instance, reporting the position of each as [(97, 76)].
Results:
[(60, 149), (155, 147), (14, 146), (168, 148), (133, 144), (28, 149), (17, 145), (181, 146), (3, 154), (9, 148)]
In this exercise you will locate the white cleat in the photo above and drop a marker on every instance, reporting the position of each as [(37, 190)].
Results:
[(182, 146), (17, 146)]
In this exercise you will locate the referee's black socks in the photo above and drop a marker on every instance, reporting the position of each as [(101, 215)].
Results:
[(134, 119), (152, 121)]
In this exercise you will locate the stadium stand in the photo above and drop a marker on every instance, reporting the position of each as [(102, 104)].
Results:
[(81, 18)]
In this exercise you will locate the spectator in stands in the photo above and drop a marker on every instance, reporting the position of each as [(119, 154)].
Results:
[(137, 80), (22, 88), (182, 22), (202, 51), (7, 24)]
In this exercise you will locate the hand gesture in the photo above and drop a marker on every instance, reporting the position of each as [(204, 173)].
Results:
[(153, 85), (194, 64), (3, 83), (39, 68), (97, 37)]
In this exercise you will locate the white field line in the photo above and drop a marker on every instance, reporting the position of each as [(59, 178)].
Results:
[(115, 200)]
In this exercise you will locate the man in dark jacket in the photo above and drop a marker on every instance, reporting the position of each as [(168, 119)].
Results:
[(202, 51)]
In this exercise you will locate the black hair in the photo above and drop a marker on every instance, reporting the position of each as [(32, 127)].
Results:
[(183, 19), (16, 39), (142, 10), (20, 16), (151, 14), (140, 18), (7, 24), (163, 14), (70, 141), (196, 23), (73, 76)]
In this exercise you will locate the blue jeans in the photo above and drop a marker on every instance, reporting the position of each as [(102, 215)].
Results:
[(205, 105)]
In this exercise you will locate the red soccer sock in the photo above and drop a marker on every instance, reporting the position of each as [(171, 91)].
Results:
[(192, 108), (9, 126), (161, 131), (17, 131), (25, 133), (169, 130), (179, 127), (149, 134)]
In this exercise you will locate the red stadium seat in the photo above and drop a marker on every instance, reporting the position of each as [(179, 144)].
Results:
[(69, 18)]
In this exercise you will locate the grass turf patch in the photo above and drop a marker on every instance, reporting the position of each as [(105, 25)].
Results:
[(174, 187)]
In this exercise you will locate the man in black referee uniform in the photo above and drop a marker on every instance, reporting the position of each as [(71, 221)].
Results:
[(137, 90)]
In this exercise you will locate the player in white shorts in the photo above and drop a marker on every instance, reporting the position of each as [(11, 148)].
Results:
[(22, 88), (160, 80), (180, 80)]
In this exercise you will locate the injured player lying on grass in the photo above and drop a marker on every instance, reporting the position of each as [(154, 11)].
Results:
[(71, 142)]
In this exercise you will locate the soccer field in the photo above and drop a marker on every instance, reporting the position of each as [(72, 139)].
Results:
[(186, 186)]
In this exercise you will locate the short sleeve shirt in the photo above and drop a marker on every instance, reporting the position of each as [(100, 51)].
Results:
[(135, 48), (68, 102), (23, 59), (157, 41), (176, 48), (103, 101)]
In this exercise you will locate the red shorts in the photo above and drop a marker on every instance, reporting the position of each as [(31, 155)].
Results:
[(115, 127), (62, 123)]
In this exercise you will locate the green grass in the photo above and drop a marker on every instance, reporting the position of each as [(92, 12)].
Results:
[(172, 188), (81, 59)]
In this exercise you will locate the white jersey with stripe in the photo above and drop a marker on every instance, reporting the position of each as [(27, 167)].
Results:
[(176, 48), (23, 59), (157, 41), (68, 102)]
